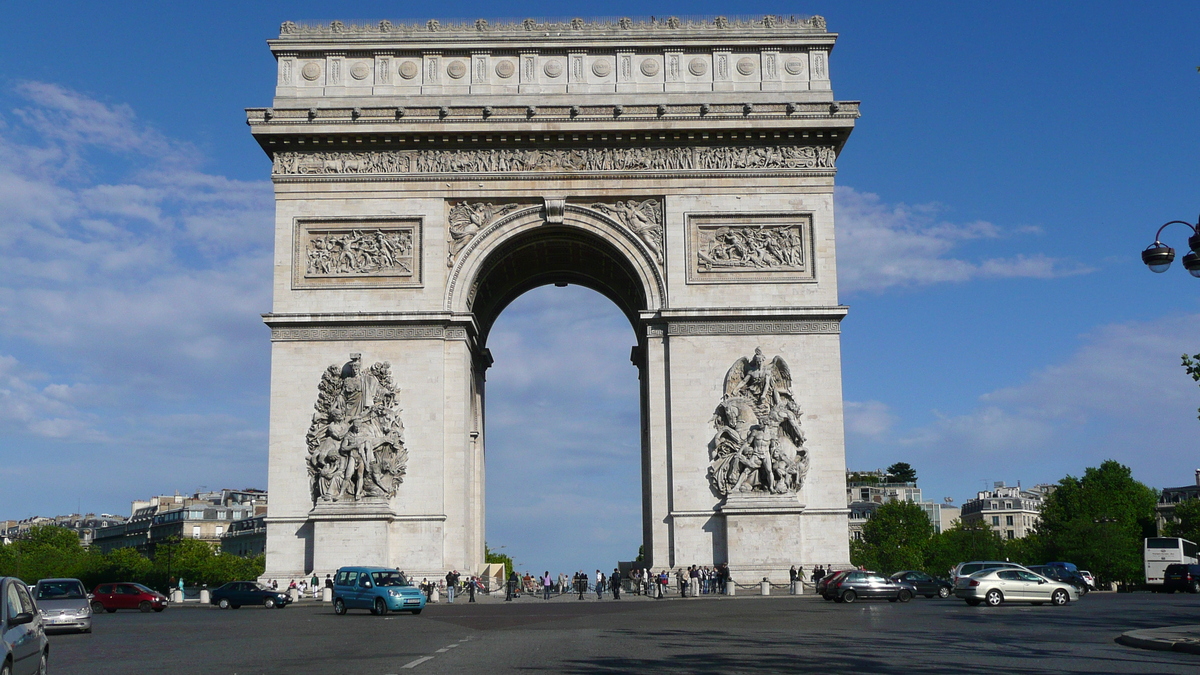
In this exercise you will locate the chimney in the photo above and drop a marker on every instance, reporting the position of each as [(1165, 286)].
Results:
[(1197, 476)]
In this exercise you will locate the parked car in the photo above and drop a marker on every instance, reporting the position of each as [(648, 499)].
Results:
[(824, 582), (237, 593), (64, 605), (996, 586), (1089, 578), (378, 589), (1181, 577), (111, 597), (868, 585), (26, 648), (968, 568), (1062, 574), (925, 584)]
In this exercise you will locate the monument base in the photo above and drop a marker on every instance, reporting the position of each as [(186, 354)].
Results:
[(764, 535)]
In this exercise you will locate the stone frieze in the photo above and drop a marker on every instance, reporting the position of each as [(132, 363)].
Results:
[(505, 160)]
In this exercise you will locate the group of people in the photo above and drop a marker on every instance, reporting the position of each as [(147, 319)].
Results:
[(819, 572)]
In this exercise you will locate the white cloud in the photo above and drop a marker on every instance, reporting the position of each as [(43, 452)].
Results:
[(868, 419), (882, 246), (1122, 395)]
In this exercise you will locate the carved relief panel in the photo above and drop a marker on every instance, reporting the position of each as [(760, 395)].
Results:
[(750, 248), (357, 253)]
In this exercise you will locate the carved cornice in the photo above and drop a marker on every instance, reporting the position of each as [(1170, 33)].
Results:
[(365, 332), (580, 27), (692, 328)]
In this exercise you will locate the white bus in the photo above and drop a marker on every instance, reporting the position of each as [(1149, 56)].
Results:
[(1163, 551)]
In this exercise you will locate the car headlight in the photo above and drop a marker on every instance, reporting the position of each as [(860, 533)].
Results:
[(394, 593)]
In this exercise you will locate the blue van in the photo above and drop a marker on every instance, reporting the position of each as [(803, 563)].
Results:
[(378, 589)]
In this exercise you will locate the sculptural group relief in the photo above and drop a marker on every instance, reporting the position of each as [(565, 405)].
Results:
[(759, 446), (644, 219), (291, 29), (697, 158), (466, 219), (752, 247), (356, 440), (360, 252)]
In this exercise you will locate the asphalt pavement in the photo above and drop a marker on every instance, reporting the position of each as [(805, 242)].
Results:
[(718, 635)]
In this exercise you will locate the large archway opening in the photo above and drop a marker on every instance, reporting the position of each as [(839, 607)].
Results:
[(557, 308)]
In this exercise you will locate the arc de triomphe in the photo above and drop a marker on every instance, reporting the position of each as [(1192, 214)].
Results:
[(428, 174)]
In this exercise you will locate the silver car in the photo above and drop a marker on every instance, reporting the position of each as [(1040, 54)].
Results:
[(65, 605), (997, 586), (26, 649)]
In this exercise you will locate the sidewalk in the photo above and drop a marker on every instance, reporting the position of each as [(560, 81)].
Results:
[(1170, 639)]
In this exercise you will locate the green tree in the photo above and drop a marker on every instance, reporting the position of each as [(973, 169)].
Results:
[(492, 557), (893, 539), (902, 472), (46, 551), (1187, 520), (1098, 522), (962, 543)]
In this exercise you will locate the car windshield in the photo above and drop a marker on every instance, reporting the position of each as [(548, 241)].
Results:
[(60, 590), (389, 578), (261, 587)]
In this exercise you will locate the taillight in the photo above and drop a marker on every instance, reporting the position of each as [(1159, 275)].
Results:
[(974, 582)]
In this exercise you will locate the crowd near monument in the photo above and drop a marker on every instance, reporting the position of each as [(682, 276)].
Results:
[(426, 174)]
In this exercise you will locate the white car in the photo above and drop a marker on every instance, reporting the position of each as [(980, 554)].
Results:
[(997, 586), (1087, 576)]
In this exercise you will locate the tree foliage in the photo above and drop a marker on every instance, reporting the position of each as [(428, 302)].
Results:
[(893, 539), (1187, 521), (492, 557), (1098, 522), (962, 543), (50, 551), (902, 472)]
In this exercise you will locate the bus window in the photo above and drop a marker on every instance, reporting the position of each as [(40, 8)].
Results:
[(1162, 542)]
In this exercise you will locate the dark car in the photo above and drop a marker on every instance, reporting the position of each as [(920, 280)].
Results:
[(26, 649), (925, 584), (1181, 577), (824, 582), (868, 585), (111, 597), (1056, 572), (237, 593)]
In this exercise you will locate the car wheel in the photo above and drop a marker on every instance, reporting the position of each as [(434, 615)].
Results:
[(97, 607), (973, 602), (943, 592), (905, 596), (994, 598), (269, 603), (223, 603), (6, 669), (339, 607), (44, 665), (1060, 597), (849, 596), (145, 606), (416, 611), (381, 607)]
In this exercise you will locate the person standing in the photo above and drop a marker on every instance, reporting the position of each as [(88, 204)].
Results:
[(547, 582), (450, 587), (329, 581), (599, 585), (615, 582), (581, 583), (792, 575), (511, 586), (471, 588)]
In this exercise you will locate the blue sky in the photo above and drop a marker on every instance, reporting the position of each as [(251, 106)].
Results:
[(1011, 161)]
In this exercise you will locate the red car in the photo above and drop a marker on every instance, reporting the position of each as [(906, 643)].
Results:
[(111, 597)]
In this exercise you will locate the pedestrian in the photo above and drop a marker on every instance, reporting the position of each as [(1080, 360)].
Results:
[(450, 587), (274, 585), (471, 588), (329, 582), (792, 574), (511, 586), (547, 582), (681, 578), (615, 582), (599, 585), (581, 583)]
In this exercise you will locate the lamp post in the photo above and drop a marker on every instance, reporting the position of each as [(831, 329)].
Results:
[(1158, 256)]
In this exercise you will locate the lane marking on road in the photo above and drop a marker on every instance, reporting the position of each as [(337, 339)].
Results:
[(417, 662)]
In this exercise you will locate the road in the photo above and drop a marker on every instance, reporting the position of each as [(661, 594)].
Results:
[(776, 634)]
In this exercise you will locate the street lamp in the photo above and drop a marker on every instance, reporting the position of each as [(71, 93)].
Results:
[(1158, 256)]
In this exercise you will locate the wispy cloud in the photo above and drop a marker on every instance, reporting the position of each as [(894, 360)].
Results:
[(882, 246)]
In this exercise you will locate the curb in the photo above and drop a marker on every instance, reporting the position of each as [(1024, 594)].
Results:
[(1184, 639)]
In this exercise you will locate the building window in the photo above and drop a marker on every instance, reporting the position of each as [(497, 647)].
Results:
[(195, 531), (1010, 535), (1008, 520), (220, 530), (996, 521), (1008, 505)]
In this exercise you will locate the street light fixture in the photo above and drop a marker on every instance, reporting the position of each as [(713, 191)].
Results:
[(1158, 256)]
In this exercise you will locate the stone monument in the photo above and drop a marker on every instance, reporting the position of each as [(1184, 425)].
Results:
[(426, 174)]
